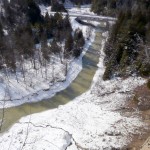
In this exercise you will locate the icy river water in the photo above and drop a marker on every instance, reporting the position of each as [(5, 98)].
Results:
[(80, 85)]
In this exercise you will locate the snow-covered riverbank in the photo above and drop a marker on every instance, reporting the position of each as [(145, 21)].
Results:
[(13, 93), (91, 121)]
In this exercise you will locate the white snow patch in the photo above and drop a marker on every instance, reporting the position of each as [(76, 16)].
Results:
[(44, 9), (5, 32)]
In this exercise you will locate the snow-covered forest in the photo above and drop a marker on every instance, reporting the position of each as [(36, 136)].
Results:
[(35, 49), (127, 50)]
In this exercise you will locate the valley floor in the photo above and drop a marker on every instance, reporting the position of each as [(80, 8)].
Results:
[(96, 120), (91, 121)]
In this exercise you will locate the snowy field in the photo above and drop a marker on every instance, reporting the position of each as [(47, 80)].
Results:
[(91, 121)]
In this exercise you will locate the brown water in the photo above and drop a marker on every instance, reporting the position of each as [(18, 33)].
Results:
[(80, 85)]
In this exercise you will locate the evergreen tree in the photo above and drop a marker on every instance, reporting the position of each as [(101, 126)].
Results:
[(33, 12), (69, 43), (55, 48), (79, 39)]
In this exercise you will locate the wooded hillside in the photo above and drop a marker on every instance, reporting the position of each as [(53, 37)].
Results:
[(127, 50), (22, 27)]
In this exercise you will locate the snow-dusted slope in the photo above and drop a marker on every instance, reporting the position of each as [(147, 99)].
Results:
[(91, 121)]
